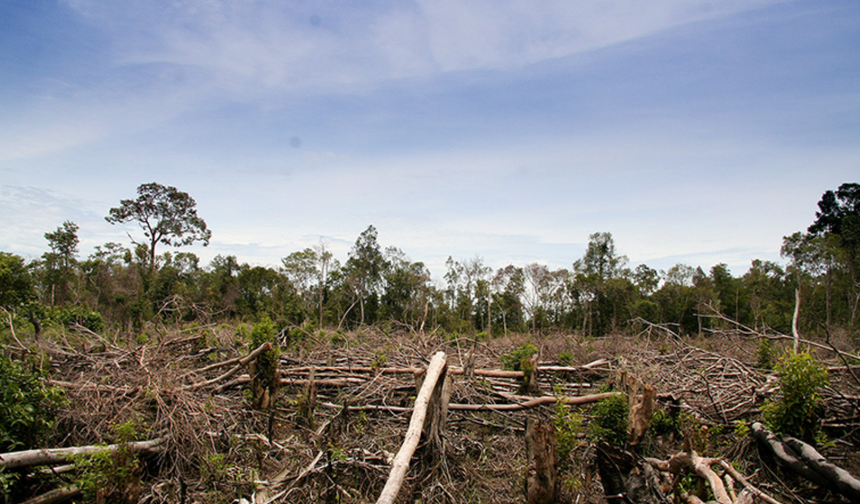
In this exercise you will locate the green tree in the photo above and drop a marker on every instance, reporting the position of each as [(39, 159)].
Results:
[(165, 214), (16, 282), (406, 288), (365, 266), (838, 216), (593, 271), (61, 261)]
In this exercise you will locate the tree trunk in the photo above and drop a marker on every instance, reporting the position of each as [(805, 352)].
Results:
[(541, 478), (804, 460)]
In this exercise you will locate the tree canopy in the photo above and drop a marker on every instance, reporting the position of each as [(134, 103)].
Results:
[(166, 215)]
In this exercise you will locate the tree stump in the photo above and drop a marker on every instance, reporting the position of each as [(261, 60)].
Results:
[(541, 479), (627, 478)]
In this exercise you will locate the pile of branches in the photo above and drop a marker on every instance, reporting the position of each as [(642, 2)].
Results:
[(344, 405)]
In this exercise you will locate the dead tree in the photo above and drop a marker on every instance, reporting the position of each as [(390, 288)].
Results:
[(541, 479), (435, 372), (805, 461)]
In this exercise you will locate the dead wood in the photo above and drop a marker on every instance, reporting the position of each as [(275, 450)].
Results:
[(805, 461), (239, 364), (541, 479), (627, 478), (641, 413), (400, 465), (27, 458), (56, 495)]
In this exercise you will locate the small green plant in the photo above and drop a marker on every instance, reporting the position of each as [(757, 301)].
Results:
[(213, 468), (111, 475), (566, 358), (513, 360), (662, 423), (610, 420), (795, 411), (742, 429), (765, 354), (380, 359), (568, 426), (265, 379)]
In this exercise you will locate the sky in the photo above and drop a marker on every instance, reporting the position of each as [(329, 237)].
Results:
[(694, 131)]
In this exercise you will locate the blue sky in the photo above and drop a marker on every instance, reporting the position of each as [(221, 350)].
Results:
[(697, 132)]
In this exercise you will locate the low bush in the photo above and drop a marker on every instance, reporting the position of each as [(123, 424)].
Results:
[(795, 411)]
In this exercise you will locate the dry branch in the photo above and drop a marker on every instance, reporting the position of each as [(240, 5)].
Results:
[(54, 496), (240, 362)]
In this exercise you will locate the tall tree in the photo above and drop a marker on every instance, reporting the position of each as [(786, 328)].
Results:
[(59, 262), (165, 214), (592, 273), (838, 216), (366, 265)]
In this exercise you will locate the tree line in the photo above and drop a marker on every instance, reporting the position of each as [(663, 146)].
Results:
[(126, 286)]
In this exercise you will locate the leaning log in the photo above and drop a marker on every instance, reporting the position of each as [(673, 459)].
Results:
[(400, 465), (27, 458)]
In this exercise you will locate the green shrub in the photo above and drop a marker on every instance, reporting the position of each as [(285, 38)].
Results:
[(27, 405), (69, 316), (568, 426), (264, 379), (610, 418), (795, 411), (566, 358), (111, 475), (513, 360), (765, 354)]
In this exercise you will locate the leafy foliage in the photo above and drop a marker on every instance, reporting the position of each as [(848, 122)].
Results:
[(513, 360), (795, 412), (27, 405), (16, 283), (111, 475), (611, 416), (166, 215), (68, 316)]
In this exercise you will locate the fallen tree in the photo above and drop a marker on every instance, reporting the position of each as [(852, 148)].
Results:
[(805, 461), (435, 372), (28, 458)]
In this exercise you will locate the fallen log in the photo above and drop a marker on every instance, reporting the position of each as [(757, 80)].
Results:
[(805, 460), (54, 496), (27, 458), (530, 403), (400, 465), (239, 363)]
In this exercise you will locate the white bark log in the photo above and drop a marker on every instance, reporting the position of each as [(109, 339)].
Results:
[(29, 458), (413, 433)]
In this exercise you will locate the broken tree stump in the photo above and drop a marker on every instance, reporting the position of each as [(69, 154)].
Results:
[(626, 477), (541, 477)]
